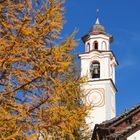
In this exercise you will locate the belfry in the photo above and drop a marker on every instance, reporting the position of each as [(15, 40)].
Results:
[(98, 64)]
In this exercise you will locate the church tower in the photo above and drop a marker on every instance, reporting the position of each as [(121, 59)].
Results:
[(98, 64)]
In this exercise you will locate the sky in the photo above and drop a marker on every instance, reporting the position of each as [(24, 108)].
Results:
[(121, 19)]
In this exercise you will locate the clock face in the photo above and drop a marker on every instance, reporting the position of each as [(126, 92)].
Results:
[(96, 97)]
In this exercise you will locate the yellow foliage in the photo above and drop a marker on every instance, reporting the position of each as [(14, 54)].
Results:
[(39, 86)]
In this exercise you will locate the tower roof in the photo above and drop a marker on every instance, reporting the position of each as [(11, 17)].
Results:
[(96, 29)]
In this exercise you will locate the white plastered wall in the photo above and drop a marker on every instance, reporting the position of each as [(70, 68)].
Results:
[(107, 66), (103, 42), (102, 110), (135, 136), (100, 91)]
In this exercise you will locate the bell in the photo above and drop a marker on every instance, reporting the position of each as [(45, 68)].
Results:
[(96, 71)]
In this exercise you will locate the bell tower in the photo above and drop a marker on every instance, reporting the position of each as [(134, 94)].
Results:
[(98, 64)]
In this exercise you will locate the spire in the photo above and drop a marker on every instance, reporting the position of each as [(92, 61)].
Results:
[(96, 29), (97, 18), (97, 21)]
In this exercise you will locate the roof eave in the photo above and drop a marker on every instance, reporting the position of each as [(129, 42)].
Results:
[(86, 37)]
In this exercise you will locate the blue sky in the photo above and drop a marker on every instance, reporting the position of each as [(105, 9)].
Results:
[(120, 18)]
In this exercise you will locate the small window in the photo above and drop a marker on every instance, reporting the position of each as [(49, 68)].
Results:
[(95, 70), (95, 45), (88, 47)]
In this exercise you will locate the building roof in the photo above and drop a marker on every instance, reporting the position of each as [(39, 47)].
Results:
[(119, 128), (96, 29)]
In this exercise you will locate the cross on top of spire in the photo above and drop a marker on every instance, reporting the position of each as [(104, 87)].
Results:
[(97, 12)]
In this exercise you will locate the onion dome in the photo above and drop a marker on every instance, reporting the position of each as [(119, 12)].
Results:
[(96, 29)]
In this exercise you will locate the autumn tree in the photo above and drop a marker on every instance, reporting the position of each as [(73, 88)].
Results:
[(39, 85)]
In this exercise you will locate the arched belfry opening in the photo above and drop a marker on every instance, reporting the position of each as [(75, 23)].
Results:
[(95, 45), (88, 47), (95, 69)]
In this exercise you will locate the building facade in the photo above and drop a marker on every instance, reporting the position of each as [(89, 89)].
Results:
[(98, 64)]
